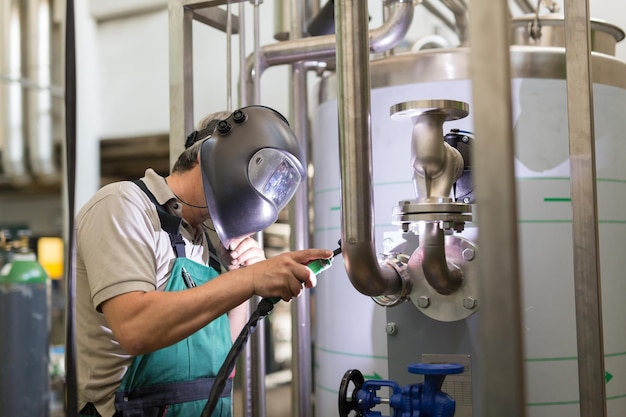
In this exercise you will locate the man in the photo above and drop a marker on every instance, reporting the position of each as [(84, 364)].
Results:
[(155, 318)]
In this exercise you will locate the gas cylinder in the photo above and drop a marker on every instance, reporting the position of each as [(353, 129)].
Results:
[(24, 333)]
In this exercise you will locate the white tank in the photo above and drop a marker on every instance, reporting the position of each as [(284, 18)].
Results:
[(350, 329)]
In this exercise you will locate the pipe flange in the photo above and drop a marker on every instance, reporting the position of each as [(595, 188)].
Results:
[(452, 215), (430, 217), (399, 263), (458, 305), (413, 207), (451, 109)]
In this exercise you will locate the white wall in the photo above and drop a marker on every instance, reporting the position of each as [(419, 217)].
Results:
[(134, 66)]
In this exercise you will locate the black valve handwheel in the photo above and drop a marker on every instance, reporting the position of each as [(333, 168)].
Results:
[(355, 377)]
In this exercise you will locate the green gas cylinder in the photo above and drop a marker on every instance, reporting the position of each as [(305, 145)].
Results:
[(24, 336)]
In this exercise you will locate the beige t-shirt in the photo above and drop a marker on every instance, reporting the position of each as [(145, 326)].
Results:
[(120, 248)]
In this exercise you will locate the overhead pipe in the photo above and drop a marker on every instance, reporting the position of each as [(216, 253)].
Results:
[(12, 140), (428, 4), (381, 39), (357, 214), (27, 91), (525, 6), (39, 100), (460, 12)]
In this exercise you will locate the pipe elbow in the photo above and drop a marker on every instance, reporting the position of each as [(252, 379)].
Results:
[(443, 277), (394, 29), (367, 274)]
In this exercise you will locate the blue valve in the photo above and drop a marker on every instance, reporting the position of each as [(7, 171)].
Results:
[(418, 400)]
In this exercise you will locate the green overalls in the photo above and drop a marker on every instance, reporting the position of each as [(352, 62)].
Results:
[(176, 381)]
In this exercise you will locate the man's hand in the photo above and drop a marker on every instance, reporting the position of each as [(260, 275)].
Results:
[(242, 252)]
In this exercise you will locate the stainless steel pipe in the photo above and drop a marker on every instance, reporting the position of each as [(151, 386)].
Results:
[(357, 211), (323, 47), (301, 340), (459, 10)]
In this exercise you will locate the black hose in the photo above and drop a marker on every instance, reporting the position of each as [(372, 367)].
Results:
[(71, 383), (264, 307)]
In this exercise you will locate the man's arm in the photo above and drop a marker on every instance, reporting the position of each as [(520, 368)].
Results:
[(146, 321)]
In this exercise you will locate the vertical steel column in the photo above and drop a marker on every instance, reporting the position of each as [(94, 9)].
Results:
[(181, 76), (257, 400), (246, 361), (584, 209), (301, 357), (500, 367)]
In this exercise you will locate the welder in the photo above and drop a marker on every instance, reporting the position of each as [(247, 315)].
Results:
[(165, 266)]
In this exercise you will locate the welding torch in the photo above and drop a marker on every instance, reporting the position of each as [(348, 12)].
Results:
[(263, 309), (317, 266)]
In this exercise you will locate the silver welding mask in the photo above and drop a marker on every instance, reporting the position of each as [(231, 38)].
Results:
[(251, 167)]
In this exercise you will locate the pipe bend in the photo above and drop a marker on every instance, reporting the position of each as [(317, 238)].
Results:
[(444, 278), (366, 274), (393, 29), (388, 35)]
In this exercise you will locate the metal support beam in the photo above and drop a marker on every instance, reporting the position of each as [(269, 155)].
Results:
[(182, 13), (181, 77), (500, 367), (301, 343), (584, 210)]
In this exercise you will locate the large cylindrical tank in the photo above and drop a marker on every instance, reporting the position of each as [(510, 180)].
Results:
[(351, 331)]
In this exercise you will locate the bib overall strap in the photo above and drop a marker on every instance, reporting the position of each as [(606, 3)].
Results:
[(165, 394), (214, 261), (169, 223)]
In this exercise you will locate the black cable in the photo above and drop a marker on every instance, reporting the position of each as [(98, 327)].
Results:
[(71, 383), (263, 309)]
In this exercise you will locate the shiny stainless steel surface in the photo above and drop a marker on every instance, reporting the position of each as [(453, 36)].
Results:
[(436, 164), (460, 11), (549, 30), (301, 340), (501, 368), (355, 149), (453, 215), (443, 276), (436, 167), (381, 39), (588, 297), (454, 64), (256, 401), (462, 298)]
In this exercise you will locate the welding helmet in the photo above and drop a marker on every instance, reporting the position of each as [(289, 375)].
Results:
[(251, 167)]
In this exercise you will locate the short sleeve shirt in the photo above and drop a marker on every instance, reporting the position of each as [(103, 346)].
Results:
[(120, 248)]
